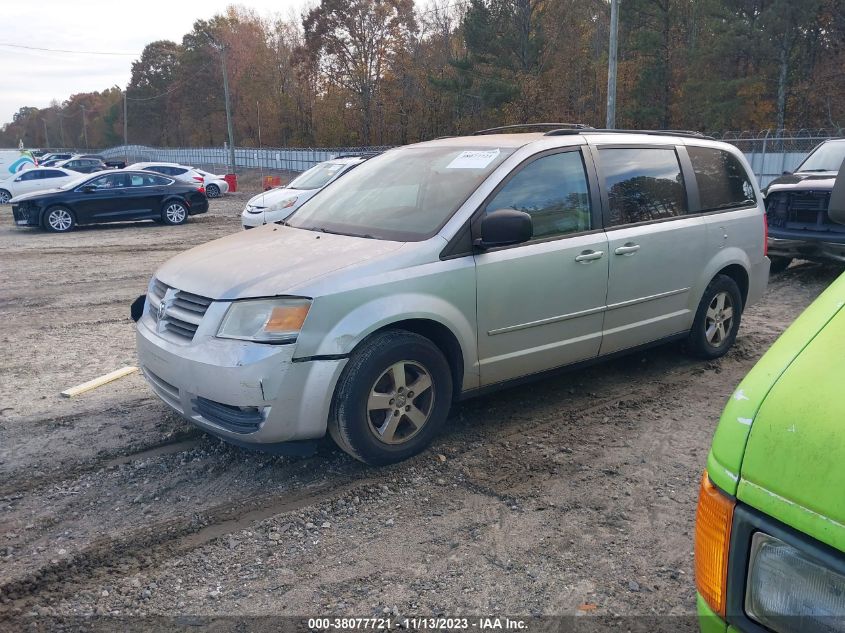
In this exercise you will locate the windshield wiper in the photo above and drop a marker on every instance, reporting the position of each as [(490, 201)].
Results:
[(323, 229), (808, 171)]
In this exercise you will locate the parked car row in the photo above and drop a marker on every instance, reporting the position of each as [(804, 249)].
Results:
[(56, 172), (114, 196)]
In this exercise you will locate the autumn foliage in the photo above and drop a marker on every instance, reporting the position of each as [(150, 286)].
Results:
[(379, 72)]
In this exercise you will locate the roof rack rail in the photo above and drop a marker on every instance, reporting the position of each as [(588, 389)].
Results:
[(519, 126), (357, 155), (683, 133)]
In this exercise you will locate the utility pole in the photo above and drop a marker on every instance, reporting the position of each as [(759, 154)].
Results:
[(46, 137), (611, 64), (84, 126), (222, 49), (125, 130)]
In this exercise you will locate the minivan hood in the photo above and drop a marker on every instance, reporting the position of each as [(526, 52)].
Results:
[(268, 261), (794, 464)]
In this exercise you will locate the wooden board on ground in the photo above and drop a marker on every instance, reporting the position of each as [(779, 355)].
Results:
[(99, 382)]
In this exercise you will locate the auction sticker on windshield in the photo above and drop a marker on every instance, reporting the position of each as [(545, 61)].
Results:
[(474, 159)]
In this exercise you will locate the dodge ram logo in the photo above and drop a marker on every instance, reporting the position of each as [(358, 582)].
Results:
[(162, 308)]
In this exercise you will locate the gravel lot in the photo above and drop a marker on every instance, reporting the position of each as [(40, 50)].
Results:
[(574, 495)]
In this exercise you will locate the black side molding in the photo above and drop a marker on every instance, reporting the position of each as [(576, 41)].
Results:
[(136, 310)]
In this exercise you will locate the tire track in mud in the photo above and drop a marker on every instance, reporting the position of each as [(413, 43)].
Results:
[(148, 547)]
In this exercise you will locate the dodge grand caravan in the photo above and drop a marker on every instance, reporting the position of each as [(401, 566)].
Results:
[(440, 270)]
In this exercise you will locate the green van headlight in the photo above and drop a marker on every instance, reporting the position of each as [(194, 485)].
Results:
[(789, 592)]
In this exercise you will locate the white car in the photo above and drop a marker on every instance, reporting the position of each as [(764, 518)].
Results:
[(174, 170), (215, 186), (277, 204), (35, 179)]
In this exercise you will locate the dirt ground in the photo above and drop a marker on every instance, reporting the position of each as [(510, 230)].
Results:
[(571, 496)]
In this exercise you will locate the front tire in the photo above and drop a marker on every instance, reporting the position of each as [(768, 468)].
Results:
[(5, 196), (392, 398), (174, 213), (59, 220), (212, 191), (717, 319)]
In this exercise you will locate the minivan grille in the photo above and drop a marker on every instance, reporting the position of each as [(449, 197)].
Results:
[(183, 311)]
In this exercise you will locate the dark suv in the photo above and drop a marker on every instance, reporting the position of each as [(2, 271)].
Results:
[(797, 210)]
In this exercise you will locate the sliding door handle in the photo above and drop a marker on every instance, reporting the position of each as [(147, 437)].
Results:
[(589, 256), (628, 249)]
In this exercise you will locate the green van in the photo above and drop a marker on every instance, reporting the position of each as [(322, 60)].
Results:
[(770, 524)]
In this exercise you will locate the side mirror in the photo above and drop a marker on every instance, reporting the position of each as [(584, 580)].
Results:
[(786, 173), (504, 227), (836, 206)]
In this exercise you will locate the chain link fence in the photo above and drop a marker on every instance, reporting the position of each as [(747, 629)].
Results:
[(270, 159), (770, 152)]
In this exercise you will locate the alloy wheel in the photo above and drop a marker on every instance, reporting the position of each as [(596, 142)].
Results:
[(60, 220), (175, 213), (400, 402), (5, 196), (719, 319)]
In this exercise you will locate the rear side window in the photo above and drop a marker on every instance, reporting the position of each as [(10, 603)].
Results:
[(159, 180), (643, 184), (553, 190), (51, 173), (723, 182)]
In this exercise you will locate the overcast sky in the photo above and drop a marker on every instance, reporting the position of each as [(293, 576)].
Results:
[(34, 78)]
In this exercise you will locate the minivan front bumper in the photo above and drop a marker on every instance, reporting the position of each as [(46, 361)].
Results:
[(247, 393)]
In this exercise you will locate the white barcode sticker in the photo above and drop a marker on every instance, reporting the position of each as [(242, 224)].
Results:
[(474, 159)]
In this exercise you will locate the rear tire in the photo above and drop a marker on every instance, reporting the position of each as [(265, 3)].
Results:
[(174, 213), (392, 398), (212, 191), (58, 220), (717, 319), (779, 264), (5, 196)]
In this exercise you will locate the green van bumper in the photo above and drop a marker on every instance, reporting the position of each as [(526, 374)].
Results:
[(708, 620)]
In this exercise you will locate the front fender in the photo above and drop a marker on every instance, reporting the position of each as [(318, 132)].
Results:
[(342, 337)]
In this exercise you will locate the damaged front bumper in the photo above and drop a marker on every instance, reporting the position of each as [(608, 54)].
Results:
[(26, 214), (250, 394)]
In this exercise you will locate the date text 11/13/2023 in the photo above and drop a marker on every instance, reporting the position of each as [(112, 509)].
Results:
[(419, 624)]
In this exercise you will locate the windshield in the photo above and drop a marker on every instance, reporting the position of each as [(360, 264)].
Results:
[(405, 194), (316, 177), (826, 157)]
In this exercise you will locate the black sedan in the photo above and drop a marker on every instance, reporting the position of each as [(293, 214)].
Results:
[(115, 196)]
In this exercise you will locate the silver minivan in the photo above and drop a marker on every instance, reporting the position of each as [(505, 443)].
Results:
[(437, 271)]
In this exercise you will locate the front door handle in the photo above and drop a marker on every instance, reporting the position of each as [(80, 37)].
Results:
[(588, 256), (628, 249)]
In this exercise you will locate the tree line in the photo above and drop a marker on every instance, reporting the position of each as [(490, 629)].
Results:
[(382, 72)]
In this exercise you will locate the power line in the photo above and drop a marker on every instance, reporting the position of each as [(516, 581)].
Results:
[(63, 50), (173, 89)]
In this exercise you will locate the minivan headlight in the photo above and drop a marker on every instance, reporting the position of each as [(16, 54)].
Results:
[(265, 320), (790, 592)]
